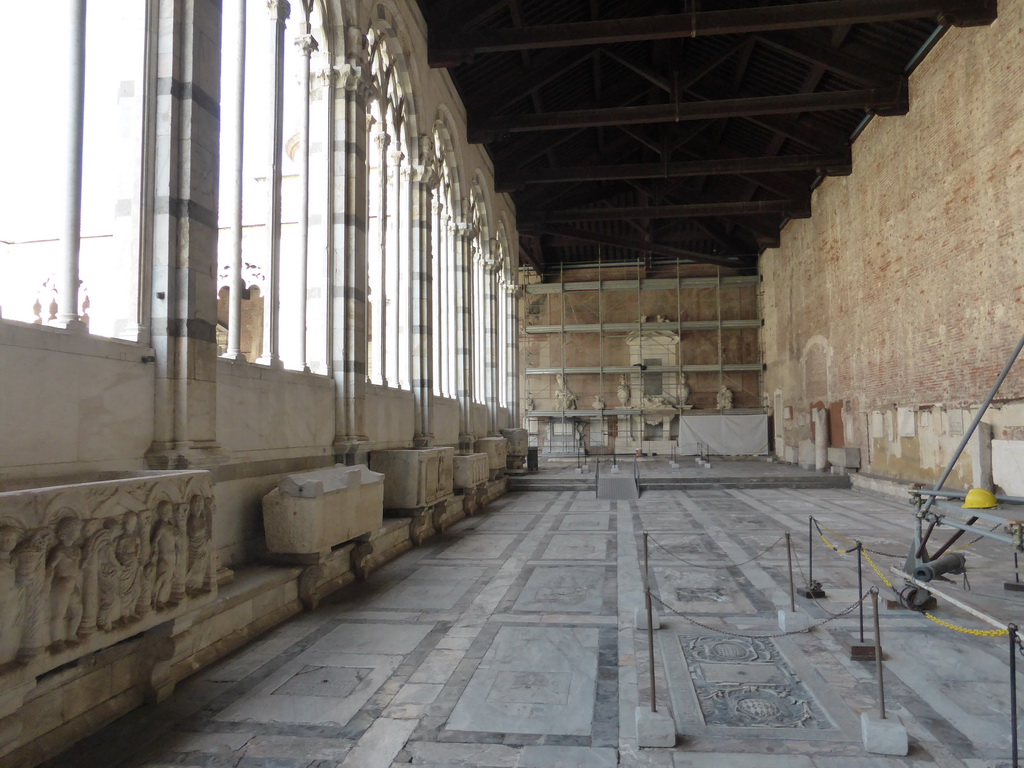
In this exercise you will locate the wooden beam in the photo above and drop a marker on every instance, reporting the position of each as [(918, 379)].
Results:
[(854, 69), (658, 249), (797, 209), (828, 165), (892, 100), (458, 44)]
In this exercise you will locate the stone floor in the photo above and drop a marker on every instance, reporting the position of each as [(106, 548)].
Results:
[(510, 641)]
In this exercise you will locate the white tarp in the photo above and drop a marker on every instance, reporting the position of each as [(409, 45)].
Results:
[(744, 434)]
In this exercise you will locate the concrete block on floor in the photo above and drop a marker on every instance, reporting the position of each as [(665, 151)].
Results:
[(654, 729), (883, 737), (793, 621), (640, 618)]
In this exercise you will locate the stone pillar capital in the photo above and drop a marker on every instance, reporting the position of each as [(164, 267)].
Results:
[(306, 43), (279, 10)]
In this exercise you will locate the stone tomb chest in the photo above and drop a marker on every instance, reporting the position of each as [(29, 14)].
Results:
[(471, 470), (414, 479), (496, 449), (311, 512)]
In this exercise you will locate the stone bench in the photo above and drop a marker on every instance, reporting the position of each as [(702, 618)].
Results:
[(312, 512)]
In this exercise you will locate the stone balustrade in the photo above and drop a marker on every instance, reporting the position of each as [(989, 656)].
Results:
[(86, 565), (311, 512)]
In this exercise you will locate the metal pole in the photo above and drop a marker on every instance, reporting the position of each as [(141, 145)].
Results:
[(789, 558), (878, 654), (1013, 692), (810, 550), (1016, 572), (974, 425), (650, 620), (650, 648), (860, 588)]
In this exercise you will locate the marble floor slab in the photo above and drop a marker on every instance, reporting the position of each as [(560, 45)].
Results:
[(511, 641)]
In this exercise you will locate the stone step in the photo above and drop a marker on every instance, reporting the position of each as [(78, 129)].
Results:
[(529, 484)]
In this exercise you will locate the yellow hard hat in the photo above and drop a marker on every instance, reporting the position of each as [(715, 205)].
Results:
[(979, 498)]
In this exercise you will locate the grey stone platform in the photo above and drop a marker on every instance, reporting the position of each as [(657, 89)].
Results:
[(510, 640)]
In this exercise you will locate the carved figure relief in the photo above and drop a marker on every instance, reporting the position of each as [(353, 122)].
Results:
[(80, 561), (64, 571), (684, 390)]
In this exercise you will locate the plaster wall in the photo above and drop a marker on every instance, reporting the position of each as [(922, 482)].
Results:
[(71, 403), (390, 415), (898, 303), (446, 421)]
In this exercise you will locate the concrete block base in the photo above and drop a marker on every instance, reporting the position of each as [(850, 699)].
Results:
[(883, 737), (674, 464), (655, 729), (790, 621), (640, 618)]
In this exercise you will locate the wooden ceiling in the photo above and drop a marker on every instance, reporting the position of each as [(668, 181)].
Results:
[(690, 131)]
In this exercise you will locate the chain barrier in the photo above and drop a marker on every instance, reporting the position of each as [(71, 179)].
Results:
[(851, 541), (719, 631), (717, 566), (810, 591), (902, 594), (965, 630)]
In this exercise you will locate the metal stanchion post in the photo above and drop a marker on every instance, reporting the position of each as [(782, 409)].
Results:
[(1013, 693), (789, 558), (878, 653), (860, 587), (810, 549), (650, 619), (650, 647)]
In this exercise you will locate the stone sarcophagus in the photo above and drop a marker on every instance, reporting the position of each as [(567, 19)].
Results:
[(311, 512), (415, 478), (86, 565), (518, 445), (471, 470), (496, 449)]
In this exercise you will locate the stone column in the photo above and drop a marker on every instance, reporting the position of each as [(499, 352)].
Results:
[(67, 301), (279, 10), (423, 178), (514, 292), (306, 44), (463, 311), (393, 251), (349, 290), (820, 416), (491, 347), (184, 299), (378, 331), (234, 124)]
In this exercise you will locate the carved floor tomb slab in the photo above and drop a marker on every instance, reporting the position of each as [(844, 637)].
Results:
[(532, 680), (85, 566), (744, 682), (312, 512), (414, 479)]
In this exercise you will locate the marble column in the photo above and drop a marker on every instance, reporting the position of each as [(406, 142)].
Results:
[(71, 234), (423, 179), (279, 11), (463, 311), (378, 331), (491, 345), (306, 44), (512, 293), (234, 124), (348, 349), (184, 294), (393, 251)]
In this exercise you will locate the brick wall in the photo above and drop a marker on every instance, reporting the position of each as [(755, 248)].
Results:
[(908, 282)]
